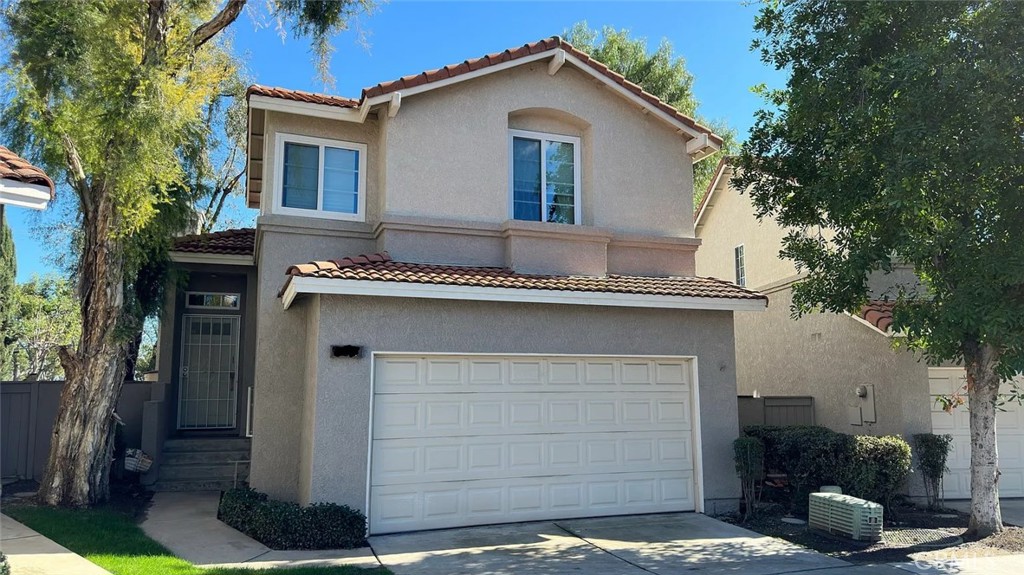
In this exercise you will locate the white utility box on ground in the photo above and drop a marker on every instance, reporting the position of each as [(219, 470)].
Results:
[(845, 515)]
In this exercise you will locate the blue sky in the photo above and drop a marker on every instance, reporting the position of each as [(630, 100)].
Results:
[(406, 37)]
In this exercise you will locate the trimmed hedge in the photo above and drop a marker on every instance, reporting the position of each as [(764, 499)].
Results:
[(282, 525), (872, 468), (5, 568)]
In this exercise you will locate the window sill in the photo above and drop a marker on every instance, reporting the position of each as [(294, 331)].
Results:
[(319, 214)]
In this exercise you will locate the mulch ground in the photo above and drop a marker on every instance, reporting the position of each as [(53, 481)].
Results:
[(1010, 541)]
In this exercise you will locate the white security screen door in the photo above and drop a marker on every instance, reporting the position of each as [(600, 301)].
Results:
[(472, 440), (208, 379)]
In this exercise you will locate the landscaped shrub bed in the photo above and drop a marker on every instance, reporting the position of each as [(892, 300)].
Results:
[(872, 468), (282, 525)]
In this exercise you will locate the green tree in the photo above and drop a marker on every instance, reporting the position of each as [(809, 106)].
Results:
[(8, 271), (107, 94), (661, 73), (900, 131), (45, 318)]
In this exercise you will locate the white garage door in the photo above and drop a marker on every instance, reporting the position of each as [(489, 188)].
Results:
[(472, 440), (1009, 438)]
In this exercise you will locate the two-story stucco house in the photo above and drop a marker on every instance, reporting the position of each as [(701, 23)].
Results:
[(847, 363), (470, 298)]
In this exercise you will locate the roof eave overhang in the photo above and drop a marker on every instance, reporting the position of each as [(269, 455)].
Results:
[(723, 169), (297, 286), (211, 259), (31, 196), (269, 103), (887, 333)]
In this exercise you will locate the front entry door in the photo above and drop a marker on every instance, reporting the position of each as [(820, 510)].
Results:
[(208, 379)]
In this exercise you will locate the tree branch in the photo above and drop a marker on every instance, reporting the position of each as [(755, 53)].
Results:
[(156, 32), (213, 26)]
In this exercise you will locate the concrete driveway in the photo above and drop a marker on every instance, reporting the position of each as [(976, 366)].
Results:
[(668, 544), (1013, 509)]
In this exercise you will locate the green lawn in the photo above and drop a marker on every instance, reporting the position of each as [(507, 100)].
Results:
[(110, 538)]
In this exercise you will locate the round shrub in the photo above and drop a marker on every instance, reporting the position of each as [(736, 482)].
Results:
[(872, 468)]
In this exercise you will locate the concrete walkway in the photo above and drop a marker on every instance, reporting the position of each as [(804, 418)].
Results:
[(29, 553), (1012, 509), (186, 523)]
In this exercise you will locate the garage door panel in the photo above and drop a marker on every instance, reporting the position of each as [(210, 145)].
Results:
[(450, 504), (1009, 438), (468, 440), (409, 461), (455, 374), (467, 414)]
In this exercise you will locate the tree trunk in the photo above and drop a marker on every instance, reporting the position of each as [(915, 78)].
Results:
[(78, 468), (983, 392)]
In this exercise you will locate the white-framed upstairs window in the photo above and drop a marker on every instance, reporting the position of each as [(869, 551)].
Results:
[(741, 266), (318, 177), (544, 177)]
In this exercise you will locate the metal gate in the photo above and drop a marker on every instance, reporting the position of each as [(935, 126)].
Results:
[(208, 379)]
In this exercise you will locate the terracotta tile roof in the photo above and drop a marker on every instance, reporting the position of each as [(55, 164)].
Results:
[(301, 96), (878, 314), (14, 167), (237, 242), (380, 267), (475, 64)]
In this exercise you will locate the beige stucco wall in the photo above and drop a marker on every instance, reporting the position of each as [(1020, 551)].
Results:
[(729, 221), (449, 147), (280, 363), (827, 356), (341, 431)]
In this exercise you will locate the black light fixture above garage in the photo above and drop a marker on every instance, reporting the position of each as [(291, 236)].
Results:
[(345, 350)]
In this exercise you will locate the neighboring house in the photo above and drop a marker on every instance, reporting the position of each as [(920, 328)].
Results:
[(22, 184), (847, 363), (524, 338)]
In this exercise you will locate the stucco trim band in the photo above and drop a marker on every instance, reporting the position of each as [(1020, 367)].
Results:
[(332, 286)]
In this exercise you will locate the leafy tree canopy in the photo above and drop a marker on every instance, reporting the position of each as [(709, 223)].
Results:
[(901, 131), (45, 318), (111, 97), (900, 135), (661, 73)]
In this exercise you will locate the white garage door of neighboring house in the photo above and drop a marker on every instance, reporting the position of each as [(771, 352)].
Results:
[(472, 440), (1009, 438)]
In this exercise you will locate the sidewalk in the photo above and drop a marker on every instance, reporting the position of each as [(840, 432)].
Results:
[(29, 553), (186, 523)]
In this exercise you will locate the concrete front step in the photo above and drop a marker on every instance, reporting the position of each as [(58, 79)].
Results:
[(199, 472), (206, 457), (208, 444), (197, 485)]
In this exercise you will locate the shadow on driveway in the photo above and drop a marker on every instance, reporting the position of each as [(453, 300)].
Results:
[(665, 544)]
